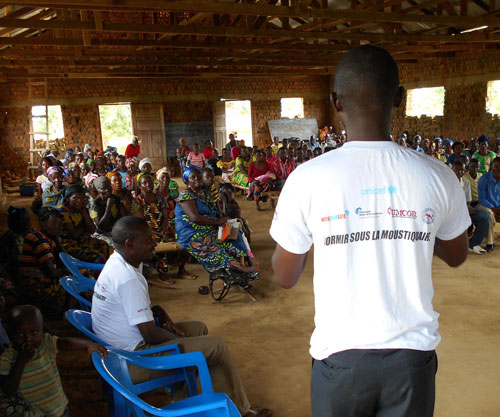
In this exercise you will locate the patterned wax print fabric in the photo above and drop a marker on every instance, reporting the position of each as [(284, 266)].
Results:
[(238, 177), (86, 248), (50, 198), (201, 240), (484, 161), (36, 286), (97, 210)]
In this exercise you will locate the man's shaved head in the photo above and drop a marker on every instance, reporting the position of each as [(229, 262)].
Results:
[(366, 77), (127, 228)]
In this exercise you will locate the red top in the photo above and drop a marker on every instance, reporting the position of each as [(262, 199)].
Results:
[(132, 151), (208, 152), (235, 152), (253, 172)]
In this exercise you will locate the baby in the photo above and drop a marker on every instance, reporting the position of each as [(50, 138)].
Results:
[(29, 377)]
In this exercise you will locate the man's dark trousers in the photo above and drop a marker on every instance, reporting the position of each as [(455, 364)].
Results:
[(374, 383)]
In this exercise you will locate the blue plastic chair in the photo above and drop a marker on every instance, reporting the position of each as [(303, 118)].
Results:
[(82, 320), (74, 265), (114, 370), (75, 286)]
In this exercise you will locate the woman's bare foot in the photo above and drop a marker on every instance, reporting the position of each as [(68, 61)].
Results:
[(259, 208)]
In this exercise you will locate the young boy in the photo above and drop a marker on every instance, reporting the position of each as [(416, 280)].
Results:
[(29, 377)]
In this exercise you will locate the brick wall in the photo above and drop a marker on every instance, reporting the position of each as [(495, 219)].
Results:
[(82, 125), (465, 78), (14, 139)]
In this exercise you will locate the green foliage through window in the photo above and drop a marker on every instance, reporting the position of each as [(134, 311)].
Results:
[(116, 125), (493, 97), (425, 101)]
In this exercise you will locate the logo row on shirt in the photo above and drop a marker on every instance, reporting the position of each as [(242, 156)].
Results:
[(427, 215)]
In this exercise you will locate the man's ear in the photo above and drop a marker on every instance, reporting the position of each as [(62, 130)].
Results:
[(336, 102), (400, 95), (129, 245)]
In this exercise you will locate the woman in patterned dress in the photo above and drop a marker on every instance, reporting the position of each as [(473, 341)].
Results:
[(155, 210), (78, 228), (196, 223)]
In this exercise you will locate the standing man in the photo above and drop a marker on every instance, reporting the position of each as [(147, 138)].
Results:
[(375, 229), (232, 142), (133, 149)]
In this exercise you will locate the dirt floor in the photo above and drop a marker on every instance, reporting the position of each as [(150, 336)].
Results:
[(269, 338)]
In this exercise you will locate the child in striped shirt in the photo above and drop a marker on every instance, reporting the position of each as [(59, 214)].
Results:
[(29, 378)]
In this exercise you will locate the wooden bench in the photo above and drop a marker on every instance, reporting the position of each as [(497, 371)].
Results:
[(168, 247)]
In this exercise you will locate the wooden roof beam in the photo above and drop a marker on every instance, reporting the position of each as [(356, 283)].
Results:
[(260, 10), (244, 32)]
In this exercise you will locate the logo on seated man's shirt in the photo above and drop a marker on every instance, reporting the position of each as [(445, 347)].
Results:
[(428, 216)]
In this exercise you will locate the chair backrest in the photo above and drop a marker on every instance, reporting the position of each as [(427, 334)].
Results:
[(82, 320), (77, 285), (75, 265), (115, 371)]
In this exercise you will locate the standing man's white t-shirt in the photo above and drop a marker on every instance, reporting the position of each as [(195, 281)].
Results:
[(372, 211), (121, 302)]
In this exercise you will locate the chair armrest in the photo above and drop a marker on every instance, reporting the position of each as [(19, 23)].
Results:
[(172, 348), (181, 360)]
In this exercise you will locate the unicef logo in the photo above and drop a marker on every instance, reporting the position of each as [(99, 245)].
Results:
[(391, 189), (428, 216)]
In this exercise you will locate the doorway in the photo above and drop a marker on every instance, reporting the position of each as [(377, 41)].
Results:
[(239, 120), (116, 126)]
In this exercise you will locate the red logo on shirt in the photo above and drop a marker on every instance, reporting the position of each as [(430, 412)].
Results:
[(142, 309), (406, 214)]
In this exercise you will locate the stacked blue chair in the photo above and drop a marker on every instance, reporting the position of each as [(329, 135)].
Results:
[(82, 320), (75, 286), (74, 265), (114, 370)]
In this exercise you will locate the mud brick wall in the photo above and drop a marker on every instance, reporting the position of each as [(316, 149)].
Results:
[(14, 139), (82, 125), (192, 111)]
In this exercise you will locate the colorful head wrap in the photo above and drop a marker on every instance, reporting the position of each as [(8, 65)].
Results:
[(89, 161), (187, 171), (135, 139), (87, 147), (482, 139), (71, 165), (130, 161), (448, 141), (52, 170), (162, 171), (89, 178), (144, 162), (141, 176), (113, 173), (68, 153)]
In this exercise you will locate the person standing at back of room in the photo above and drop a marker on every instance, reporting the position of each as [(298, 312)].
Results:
[(376, 213)]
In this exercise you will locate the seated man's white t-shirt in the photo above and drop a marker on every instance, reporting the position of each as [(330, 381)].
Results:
[(121, 302), (372, 211)]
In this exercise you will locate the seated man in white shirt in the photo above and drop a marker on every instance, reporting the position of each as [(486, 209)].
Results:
[(123, 317)]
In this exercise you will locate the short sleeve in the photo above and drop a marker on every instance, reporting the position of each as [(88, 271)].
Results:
[(190, 156), (7, 360), (51, 343), (456, 218), (289, 227), (136, 303)]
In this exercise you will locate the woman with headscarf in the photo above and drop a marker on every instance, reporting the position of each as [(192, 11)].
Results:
[(155, 210), (165, 185), (119, 191), (196, 223), (78, 228), (40, 267), (54, 195), (483, 154), (240, 173), (105, 209), (42, 181), (145, 166)]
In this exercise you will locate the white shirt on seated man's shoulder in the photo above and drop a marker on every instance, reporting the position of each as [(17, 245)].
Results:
[(121, 302)]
